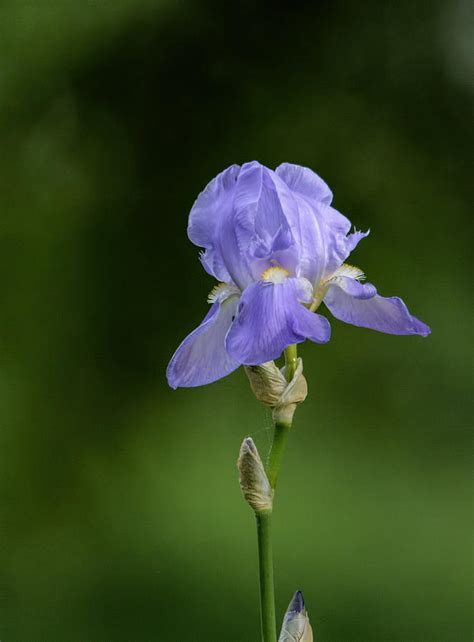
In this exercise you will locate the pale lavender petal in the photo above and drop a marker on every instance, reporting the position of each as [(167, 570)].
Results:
[(259, 224), (354, 238), (306, 191), (323, 249), (351, 302), (305, 181), (271, 229), (310, 241), (270, 318), (339, 243), (269, 218), (209, 211), (355, 288), (202, 357), (238, 230)]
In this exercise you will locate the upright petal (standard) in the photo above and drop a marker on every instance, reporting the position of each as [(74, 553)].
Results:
[(211, 207), (332, 243)]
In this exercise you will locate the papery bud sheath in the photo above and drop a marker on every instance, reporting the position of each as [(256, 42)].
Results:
[(296, 626), (253, 478), (271, 388)]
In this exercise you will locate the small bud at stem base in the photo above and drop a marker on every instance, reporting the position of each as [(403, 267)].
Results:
[(296, 626)]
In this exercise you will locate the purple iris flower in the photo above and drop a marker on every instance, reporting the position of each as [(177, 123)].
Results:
[(277, 247)]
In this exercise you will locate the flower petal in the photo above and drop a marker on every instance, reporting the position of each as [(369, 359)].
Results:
[(325, 242), (309, 193), (259, 225), (353, 287), (211, 207), (305, 181), (270, 318), (359, 304), (202, 358), (339, 243)]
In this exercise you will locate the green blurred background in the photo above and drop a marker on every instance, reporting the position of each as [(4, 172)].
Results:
[(122, 518)]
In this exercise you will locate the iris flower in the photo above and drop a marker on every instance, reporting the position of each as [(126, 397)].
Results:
[(278, 249)]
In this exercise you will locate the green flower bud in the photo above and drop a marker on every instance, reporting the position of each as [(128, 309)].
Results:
[(296, 626), (253, 478)]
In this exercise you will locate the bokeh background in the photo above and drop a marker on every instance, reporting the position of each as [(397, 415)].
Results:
[(121, 514)]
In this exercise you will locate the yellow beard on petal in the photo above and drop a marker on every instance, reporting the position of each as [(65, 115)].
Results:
[(346, 269), (222, 291), (351, 271), (275, 275)]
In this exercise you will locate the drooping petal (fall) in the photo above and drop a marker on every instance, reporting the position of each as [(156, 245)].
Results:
[(271, 317), (202, 357), (360, 305), (351, 285)]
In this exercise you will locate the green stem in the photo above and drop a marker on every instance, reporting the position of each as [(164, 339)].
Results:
[(291, 361), (265, 560), (275, 456), (264, 518), (282, 430)]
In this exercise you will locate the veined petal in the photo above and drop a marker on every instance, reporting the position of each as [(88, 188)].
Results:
[(339, 243), (359, 304), (259, 224), (308, 192), (257, 204), (270, 318), (305, 181), (202, 357), (325, 242), (353, 287), (236, 234), (211, 207)]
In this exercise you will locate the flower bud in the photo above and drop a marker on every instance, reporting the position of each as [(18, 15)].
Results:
[(271, 388), (296, 626), (253, 478)]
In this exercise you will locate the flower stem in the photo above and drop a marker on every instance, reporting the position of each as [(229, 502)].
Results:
[(275, 456), (282, 430), (267, 591), (264, 518), (291, 361)]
